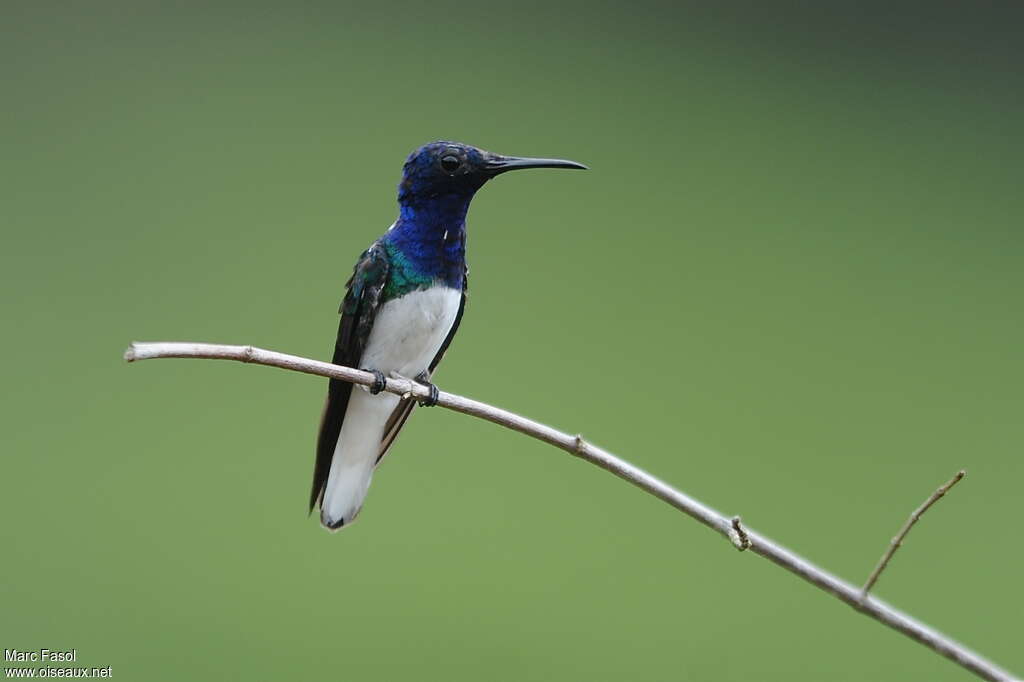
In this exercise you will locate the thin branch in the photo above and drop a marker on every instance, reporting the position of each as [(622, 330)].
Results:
[(575, 445), (895, 543)]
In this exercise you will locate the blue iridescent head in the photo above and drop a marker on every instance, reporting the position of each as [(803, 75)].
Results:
[(452, 171)]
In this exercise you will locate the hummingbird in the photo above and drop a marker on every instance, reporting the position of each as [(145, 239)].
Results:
[(402, 306)]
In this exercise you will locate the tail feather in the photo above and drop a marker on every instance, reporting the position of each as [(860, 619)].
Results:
[(355, 455)]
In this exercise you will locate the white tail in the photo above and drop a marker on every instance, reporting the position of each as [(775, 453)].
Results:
[(355, 456)]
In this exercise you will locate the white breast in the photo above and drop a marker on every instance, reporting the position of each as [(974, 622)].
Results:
[(408, 331)]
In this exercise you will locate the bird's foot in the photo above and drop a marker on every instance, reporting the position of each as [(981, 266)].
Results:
[(379, 382), (430, 400)]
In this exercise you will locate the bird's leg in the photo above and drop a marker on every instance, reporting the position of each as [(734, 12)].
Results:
[(379, 383), (431, 400)]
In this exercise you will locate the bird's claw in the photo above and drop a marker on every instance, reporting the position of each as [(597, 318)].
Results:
[(431, 399), (379, 382)]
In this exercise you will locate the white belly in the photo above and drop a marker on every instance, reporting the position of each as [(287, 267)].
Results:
[(408, 331)]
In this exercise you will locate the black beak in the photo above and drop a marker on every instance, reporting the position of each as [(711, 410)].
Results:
[(499, 164)]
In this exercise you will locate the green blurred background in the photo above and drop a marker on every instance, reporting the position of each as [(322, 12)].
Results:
[(790, 285)]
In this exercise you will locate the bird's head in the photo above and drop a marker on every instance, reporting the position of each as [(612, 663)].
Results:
[(455, 170)]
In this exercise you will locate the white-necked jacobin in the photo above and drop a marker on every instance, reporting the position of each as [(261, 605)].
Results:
[(401, 309)]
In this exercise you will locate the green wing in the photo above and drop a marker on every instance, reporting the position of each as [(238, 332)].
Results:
[(358, 310)]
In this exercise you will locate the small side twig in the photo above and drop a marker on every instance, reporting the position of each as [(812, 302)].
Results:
[(738, 536), (895, 543), (581, 445)]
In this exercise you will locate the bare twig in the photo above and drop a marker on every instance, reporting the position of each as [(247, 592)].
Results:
[(575, 445), (895, 543)]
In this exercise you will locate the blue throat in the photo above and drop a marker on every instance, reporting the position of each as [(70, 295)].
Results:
[(429, 238)]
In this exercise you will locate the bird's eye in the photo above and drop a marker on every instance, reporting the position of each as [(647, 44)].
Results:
[(450, 164)]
